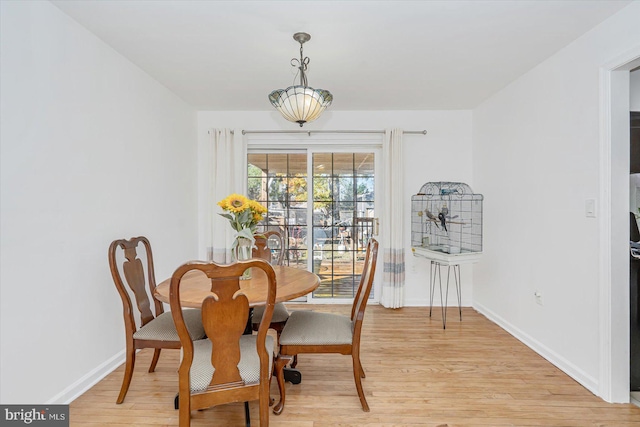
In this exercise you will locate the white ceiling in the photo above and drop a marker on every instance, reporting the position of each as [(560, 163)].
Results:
[(372, 55)]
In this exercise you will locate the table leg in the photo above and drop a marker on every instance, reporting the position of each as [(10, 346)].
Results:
[(248, 329), (247, 417)]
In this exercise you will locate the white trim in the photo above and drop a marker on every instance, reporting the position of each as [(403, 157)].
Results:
[(589, 382), (327, 141), (82, 385), (604, 309), (611, 322), (325, 145)]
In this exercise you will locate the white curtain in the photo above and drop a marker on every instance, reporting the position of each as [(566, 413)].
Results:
[(392, 220), (225, 173)]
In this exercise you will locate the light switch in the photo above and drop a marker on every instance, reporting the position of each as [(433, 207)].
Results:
[(590, 208)]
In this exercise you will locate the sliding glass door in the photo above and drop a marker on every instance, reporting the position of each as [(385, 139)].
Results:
[(279, 182), (323, 204)]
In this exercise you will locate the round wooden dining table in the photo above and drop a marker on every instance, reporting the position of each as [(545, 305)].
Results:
[(196, 286)]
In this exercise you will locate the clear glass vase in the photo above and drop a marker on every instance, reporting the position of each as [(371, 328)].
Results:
[(243, 252)]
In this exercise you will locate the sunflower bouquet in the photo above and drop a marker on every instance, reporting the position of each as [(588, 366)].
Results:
[(243, 215)]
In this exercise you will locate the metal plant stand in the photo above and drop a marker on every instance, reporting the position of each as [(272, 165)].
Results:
[(436, 270)]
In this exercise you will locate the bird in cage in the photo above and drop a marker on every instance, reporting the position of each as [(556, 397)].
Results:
[(443, 221), (445, 211), (431, 217)]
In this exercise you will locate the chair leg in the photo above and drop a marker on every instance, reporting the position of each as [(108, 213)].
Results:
[(357, 370), (281, 361), (362, 375), (278, 327), (184, 414), (128, 373), (154, 361), (294, 362), (264, 405), (273, 369)]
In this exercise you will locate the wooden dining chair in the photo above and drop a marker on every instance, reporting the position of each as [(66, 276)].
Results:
[(157, 330), (262, 250), (313, 332), (264, 245), (227, 366)]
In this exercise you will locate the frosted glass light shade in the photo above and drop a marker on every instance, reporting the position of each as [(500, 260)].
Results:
[(300, 104)]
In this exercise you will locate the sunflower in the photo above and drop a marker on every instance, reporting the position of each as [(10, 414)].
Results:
[(257, 207), (236, 203), (243, 214)]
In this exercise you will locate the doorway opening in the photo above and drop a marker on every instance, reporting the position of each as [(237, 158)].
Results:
[(614, 229)]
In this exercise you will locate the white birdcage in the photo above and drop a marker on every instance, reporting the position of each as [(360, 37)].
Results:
[(446, 218)]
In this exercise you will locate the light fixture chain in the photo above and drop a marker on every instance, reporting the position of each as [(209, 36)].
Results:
[(302, 65)]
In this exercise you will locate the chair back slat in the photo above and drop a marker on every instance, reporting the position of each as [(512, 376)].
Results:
[(263, 251), (134, 275), (224, 316), (134, 278), (366, 282)]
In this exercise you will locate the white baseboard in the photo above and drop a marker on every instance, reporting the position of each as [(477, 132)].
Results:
[(589, 382), (76, 389)]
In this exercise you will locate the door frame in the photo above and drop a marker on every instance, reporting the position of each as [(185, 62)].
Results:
[(614, 327), (324, 142)]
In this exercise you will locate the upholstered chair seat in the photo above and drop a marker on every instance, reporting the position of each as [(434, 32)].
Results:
[(313, 328), (249, 365), (280, 314), (162, 327)]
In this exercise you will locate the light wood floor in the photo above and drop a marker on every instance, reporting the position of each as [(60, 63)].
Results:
[(472, 374)]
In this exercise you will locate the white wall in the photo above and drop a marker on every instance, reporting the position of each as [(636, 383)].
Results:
[(634, 88), (92, 149), (536, 157), (444, 154)]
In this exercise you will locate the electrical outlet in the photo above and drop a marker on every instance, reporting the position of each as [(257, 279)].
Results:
[(590, 208), (538, 296)]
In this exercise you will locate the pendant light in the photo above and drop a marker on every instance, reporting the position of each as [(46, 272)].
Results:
[(301, 103)]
